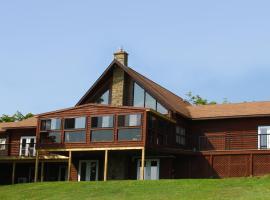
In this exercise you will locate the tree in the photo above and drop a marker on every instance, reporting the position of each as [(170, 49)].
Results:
[(198, 100), (18, 116)]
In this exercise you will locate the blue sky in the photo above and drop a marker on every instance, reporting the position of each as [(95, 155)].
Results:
[(51, 51)]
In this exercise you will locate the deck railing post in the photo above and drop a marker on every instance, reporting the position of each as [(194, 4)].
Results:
[(36, 167), (105, 165), (13, 171), (142, 165), (69, 165), (42, 171)]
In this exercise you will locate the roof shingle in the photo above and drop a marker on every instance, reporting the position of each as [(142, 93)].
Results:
[(231, 110)]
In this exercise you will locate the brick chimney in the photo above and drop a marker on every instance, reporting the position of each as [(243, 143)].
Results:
[(121, 56)]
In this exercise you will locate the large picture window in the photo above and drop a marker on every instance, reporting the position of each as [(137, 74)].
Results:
[(50, 131), (75, 130), (102, 128), (129, 127), (141, 98), (75, 136), (50, 137)]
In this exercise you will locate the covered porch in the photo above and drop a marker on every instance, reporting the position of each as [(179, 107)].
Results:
[(92, 164)]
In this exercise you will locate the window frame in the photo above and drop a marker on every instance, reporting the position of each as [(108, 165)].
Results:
[(60, 130), (181, 136), (3, 144), (267, 137), (105, 128), (130, 127), (144, 99), (64, 130)]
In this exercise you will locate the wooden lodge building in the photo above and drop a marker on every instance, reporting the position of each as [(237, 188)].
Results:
[(128, 127)]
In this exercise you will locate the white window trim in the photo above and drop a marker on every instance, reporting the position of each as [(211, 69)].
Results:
[(267, 138), (27, 137), (3, 142)]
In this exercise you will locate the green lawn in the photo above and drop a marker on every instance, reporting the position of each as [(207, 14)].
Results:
[(236, 188)]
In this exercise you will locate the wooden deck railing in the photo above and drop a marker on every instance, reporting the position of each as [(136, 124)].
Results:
[(25, 149), (233, 142)]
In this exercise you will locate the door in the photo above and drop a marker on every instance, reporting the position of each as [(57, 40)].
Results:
[(62, 173), (28, 146), (88, 170), (151, 169), (264, 137)]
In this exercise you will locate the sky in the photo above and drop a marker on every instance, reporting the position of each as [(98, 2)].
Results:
[(51, 52)]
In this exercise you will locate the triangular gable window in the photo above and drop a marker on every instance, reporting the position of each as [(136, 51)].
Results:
[(141, 98), (104, 98)]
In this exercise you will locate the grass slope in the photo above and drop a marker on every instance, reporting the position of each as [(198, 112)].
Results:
[(237, 188)]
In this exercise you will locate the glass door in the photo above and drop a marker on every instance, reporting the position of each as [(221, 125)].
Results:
[(88, 170), (27, 146), (151, 169)]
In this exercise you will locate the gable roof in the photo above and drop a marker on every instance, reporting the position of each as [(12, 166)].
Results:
[(164, 96), (231, 110)]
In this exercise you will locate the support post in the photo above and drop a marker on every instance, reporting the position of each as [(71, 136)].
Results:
[(251, 164), (105, 165), (69, 165), (13, 172), (36, 167), (42, 171), (142, 165)]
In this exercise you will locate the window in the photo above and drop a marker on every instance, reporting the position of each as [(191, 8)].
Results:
[(161, 109), (102, 128), (129, 134), (138, 99), (264, 137), (150, 102), (75, 136), (180, 135), (75, 129), (75, 123), (129, 127), (50, 131), (50, 124), (104, 98), (143, 99), (50, 137), (102, 121), (129, 120), (102, 135), (3, 143)]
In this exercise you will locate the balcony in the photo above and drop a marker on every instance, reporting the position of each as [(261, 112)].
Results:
[(25, 149), (233, 142)]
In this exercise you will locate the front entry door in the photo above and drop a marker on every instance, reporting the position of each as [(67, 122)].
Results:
[(27, 146), (88, 170), (151, 169)]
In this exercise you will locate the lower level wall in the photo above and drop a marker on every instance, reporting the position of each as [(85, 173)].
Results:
[(222, 165)]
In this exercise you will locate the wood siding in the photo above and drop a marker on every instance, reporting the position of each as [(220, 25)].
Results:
[(226, 134), (90, 111)]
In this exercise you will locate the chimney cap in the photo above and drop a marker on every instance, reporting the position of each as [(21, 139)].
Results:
[(122, 56), (120, 51)]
